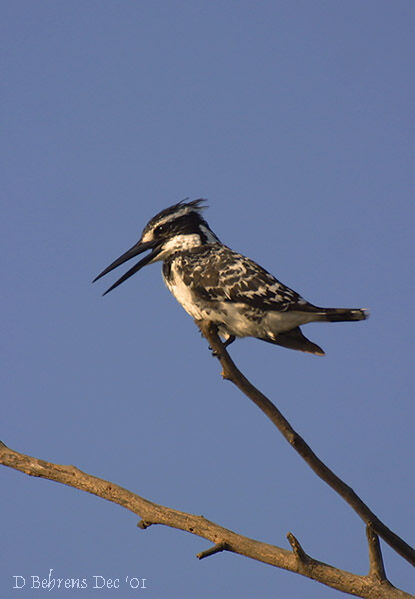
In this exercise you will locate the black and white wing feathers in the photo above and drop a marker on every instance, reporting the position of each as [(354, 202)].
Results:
[(217, 273)]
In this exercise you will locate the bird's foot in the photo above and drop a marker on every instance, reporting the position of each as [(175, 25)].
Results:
[(228, 341)]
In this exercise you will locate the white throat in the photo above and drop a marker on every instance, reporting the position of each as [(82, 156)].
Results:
[(179, 243)]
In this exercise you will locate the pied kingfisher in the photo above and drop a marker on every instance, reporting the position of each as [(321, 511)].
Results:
[(214, 283)]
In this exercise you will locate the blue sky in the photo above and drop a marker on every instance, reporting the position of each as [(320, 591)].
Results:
[(295, 121)]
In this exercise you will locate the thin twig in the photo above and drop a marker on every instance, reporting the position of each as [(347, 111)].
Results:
[(232, 373), (212, 550), (297, 549), (377, 567)]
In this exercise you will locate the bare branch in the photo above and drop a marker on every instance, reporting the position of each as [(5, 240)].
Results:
[(232, 373), (153, 513)]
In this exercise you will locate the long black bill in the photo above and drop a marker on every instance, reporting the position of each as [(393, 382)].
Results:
[(137, 249)]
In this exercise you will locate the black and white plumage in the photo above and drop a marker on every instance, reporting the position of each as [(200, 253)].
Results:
[(212, 282)]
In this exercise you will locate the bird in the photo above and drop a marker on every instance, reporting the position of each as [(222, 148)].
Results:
[(216, 284)]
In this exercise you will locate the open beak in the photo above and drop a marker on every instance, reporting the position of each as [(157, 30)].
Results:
[(137, 249)]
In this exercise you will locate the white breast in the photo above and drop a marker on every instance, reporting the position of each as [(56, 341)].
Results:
[(182, 293)]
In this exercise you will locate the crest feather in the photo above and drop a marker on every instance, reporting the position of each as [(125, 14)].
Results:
[(180, 209)]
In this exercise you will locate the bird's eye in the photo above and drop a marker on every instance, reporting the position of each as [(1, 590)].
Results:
[(159, 230)]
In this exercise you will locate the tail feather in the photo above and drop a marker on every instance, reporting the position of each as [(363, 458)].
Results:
[(294, 338), (343, 314)]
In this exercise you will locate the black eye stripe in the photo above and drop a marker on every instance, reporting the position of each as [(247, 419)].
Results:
[(186, 224)]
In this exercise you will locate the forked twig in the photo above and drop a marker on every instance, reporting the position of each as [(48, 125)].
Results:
[(233, 374)]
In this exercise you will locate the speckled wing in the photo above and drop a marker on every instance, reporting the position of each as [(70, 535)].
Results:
[(216, 273)]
